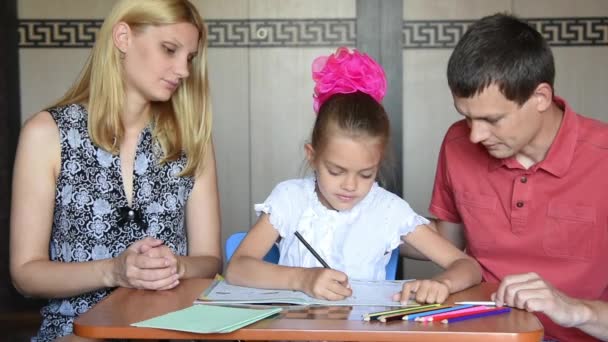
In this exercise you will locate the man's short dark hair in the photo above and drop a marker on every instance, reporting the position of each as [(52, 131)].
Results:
[(503, 50)]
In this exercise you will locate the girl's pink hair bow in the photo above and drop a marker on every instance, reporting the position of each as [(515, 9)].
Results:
[(345, 72)]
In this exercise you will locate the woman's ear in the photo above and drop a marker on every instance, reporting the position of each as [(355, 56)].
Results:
[(121, 34), (310, 154)]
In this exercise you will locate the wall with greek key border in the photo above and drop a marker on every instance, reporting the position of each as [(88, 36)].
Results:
[(304, 33)]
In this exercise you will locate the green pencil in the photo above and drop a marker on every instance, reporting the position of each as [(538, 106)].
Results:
[(400, 315), (375, 315)]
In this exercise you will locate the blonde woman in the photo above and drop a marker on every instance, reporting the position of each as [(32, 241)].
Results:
[(115, 184)]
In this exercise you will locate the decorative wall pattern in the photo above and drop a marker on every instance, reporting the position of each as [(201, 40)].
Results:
[(433, 34), (281, 32), (441, 34), (573, 31), (68, 33), (258, 33), (71, 33)]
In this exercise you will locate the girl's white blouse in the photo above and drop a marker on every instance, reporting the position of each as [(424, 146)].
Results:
[(357, 242)]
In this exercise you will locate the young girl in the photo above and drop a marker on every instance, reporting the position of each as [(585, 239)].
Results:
[(353, 223)]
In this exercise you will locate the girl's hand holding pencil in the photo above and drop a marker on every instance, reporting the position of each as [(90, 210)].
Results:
[(423, 291), (324, 283)]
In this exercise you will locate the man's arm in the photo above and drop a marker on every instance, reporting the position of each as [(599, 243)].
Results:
[(596, 323), (453, 232)]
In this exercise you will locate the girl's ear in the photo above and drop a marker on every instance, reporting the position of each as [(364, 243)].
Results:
[(120, 36), (310, 154)]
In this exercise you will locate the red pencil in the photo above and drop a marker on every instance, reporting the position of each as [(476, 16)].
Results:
[(491, 312), (457, 313)]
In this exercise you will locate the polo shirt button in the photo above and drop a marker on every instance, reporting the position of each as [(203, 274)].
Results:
[(519, 204), (523, 179)]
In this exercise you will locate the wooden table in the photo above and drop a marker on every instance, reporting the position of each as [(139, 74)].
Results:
[(111, 318)]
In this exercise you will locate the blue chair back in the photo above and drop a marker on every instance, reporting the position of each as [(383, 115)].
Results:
[(391, 267), (234, 240)]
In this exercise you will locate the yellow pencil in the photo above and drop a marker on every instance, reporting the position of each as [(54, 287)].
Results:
[(375, 315)]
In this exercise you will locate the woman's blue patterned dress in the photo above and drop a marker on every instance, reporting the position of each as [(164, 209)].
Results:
[(91, 219)]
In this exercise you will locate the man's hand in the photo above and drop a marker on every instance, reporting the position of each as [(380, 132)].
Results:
[(530, 292)]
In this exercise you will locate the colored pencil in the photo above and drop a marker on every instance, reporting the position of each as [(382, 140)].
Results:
[(399, 315), (435, 312), (375, 315), (480, 302), (451, 314), (491, 312)]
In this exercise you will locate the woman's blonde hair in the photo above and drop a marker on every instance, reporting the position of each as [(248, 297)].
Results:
[(182, 124)]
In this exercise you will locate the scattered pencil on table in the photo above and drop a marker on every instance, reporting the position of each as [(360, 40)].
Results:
[(375, 315), (399, 315), (438, 313), (490, 312), (480, 302), (415, 316), (456, 313)]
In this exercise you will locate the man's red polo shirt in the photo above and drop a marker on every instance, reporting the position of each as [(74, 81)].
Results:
[(551, 219)]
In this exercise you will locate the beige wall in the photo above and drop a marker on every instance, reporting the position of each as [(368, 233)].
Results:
[(262, 96)]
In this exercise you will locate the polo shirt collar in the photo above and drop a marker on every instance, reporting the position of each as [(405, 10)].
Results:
[(560, 154)]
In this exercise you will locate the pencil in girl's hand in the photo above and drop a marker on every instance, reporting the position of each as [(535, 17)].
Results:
[(435, 312), (375, 315), (490, 312), (311, 250)]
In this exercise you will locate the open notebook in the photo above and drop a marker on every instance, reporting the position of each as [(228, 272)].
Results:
[(375, 293), (204, 319)]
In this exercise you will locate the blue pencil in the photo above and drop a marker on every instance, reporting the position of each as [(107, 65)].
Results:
[(434, 312), (477, 315)]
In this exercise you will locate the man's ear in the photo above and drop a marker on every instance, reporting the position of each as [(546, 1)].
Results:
[(543, 95), (121, 34), (310, 153)]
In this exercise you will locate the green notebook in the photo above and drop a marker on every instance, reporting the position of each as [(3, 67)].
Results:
[(204, 319)]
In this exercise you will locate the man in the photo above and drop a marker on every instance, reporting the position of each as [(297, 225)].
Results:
[(522, 178)]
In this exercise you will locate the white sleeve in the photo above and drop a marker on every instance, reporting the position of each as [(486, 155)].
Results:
[(280, 206), (403, 219)]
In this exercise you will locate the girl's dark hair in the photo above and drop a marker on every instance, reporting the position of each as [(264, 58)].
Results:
[(354, 114)]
